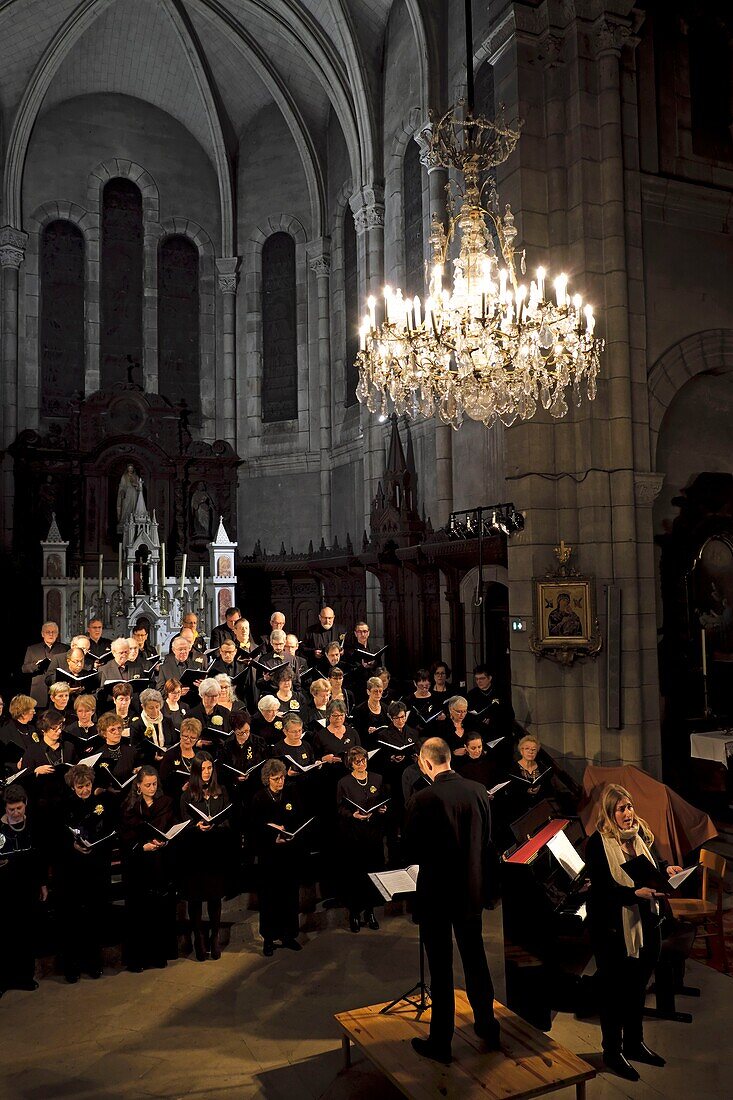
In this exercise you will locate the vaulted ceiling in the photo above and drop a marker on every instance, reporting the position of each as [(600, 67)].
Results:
[(195, 57)]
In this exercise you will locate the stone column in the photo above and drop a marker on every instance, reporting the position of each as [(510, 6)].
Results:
[(319, 256), (227, 268), (368, 208), (437, 181), (12, 253)]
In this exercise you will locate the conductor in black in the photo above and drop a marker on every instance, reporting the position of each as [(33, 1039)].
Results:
[(447, 832)]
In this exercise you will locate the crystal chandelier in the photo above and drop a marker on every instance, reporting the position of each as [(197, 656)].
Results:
[(491, 347)]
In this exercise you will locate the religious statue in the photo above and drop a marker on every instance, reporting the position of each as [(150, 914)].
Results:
[(202, 512), (127, 495)]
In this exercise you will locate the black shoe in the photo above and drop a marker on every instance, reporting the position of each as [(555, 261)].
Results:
[(28, 985), (95, 972), (490, 1034), (160, 965), (354, 924), (292, 944), (427, 1050), (199, 948), (136, 969), (370, 920), (214, 946), (618, 1065), (642, 1053), (72, 977), (268, 948)]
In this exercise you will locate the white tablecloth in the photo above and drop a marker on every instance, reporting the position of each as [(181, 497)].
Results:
[(716, 745)]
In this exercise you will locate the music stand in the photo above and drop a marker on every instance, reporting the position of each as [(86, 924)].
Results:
[(389, 890), (420, 987)]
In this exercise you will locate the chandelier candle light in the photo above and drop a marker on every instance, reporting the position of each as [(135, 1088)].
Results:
[(491, 347)]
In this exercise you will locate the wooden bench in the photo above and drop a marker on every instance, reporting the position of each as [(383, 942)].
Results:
[(529, 1063)]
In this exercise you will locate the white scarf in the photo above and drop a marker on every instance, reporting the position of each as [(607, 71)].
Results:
[(616, 856)]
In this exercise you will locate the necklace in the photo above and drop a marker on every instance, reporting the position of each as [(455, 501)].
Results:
[(362, 782)]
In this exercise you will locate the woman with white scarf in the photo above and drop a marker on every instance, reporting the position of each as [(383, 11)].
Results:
[(624, 927)]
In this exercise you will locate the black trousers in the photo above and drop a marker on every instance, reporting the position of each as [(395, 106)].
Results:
[(279, 902), (438, 930), (622, 987)]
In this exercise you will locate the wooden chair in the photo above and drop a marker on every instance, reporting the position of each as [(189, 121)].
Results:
[(703, 912)]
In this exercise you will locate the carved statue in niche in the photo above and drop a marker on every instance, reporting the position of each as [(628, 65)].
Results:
[(127, 495), (47, 500), (53, 566), (223, 566), (202, 512)]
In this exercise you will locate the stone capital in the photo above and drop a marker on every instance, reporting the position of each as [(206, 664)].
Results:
[(611, 33), (319, 257), (227, 273), (12, 246), (647, 487), (368, 209), (428, 155)]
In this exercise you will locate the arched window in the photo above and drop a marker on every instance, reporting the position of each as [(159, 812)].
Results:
[(711, 87), (351, 306), (121, 292), (279, 330), (483, 91), (413, 219), (178, 323), (61, 335)]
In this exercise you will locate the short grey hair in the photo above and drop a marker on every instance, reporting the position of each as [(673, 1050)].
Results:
[(278, 636), (115, 645), (209, 686), (268, 702), (336, 705), (150, 695)]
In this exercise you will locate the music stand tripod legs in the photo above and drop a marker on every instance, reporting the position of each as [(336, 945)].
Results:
[(419, 995)]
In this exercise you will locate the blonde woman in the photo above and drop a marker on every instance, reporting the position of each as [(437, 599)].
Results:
[(624, 928)]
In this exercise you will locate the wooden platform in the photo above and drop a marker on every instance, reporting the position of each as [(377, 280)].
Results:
[(529, 1063)]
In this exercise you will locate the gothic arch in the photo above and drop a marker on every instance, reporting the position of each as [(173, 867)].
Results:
[(710, 351), (393, 190), (39, 219), (338, 303), (98, 177), (186, 227), (282, 97), (251, 414)]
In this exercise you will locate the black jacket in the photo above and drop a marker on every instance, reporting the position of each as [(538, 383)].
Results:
[(608, 899), (448, 833)]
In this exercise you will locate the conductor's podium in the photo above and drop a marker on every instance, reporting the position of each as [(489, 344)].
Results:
[(529, 1063)]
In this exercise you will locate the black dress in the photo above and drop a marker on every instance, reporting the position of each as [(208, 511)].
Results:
[(622, 980), (174, 772), (111, 773), (150, 898), (363, 720), (22, 872), (269, 732), (47, 792), (205, 857), (362, 842), (279, 863), (82, 880)]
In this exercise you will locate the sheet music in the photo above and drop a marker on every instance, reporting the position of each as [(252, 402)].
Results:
[(565, 854)]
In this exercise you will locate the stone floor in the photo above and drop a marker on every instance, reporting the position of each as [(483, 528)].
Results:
[(247, 1026)]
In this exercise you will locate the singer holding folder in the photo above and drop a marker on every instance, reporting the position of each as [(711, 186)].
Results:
[(624, 928), (447, 833), (206, 851), (276, 812), (360, 798)]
